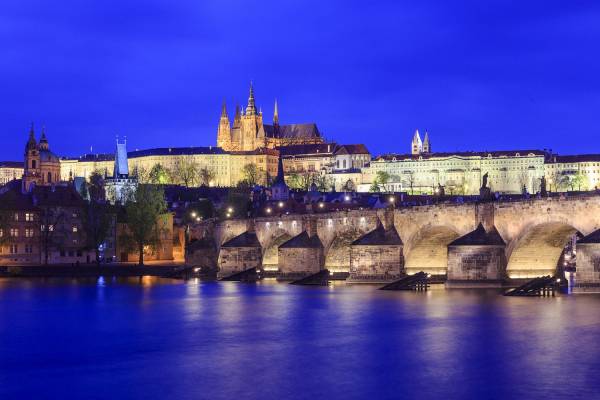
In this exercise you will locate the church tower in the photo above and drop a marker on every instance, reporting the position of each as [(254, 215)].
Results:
[(426, 143), (32, 173), (417, 144), (276, 115), (224, 130)]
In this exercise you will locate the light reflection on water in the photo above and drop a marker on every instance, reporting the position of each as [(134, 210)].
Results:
[(156, 338)]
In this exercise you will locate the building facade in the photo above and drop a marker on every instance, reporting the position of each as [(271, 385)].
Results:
[(42, 167), (10, 171)]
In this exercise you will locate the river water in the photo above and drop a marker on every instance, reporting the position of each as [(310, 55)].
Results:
[(162, 339)]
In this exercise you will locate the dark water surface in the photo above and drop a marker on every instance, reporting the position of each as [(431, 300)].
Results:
[(150, 339)]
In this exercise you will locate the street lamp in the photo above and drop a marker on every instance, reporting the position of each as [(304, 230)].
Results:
[(280, 204), (230, 210), (268, 210), (194, 214)]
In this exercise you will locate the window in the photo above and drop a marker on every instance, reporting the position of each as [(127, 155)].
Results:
[(28, 249), (29, 232), (13, 249), (33, 164), (74, 228), (16, 216), (29, 217), (1, 233), (49, 177), (14, 232)]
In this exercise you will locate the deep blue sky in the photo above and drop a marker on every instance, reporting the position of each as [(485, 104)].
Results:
[(477, 74)]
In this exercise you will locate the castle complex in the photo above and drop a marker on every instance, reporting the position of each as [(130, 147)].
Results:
[(306, 156)]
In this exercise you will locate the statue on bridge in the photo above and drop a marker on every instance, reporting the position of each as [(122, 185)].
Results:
[(485, 193)]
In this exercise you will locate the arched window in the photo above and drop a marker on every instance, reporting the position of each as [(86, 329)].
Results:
[(33, 164), (49, 177)]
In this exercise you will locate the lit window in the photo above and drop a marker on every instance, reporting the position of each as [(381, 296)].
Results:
[(16, 216), (13, 249), (29, 232), (14, 232), (74, 228), (29, 217)]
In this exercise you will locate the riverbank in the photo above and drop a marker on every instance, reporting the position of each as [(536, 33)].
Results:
[(171, 270)]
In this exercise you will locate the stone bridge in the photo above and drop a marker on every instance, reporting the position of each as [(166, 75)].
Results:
[(438, 239)]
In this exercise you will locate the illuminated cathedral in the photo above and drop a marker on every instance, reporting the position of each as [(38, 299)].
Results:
[(249, 132)]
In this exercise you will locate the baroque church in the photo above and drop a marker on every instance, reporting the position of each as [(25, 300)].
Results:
[(249, 133), (41, 166)]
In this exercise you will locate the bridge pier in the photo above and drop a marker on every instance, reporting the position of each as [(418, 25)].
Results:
[(587, 278), (302, 255), (477, 259)]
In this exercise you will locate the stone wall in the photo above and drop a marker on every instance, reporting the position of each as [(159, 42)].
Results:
[(476, 263), (238, 259), (299, 262), (587, 277), (376, 263)]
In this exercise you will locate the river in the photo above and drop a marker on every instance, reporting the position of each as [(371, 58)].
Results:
[(161, 339)]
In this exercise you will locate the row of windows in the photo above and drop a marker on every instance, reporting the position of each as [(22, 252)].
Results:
[(14, 249)]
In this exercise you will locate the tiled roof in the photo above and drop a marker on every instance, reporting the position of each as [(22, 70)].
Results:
[(292, 131), (13, 199), (302, 149), (379, 236), (352, 149), (576, 158), (479, 237), (482, 154), (303, 241), (55, 196), (246, 239), (11, 164)]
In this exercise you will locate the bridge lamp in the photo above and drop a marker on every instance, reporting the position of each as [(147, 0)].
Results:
[(392, 199), (558, 280), (321, 205), (193, 214), (228, 215), (198, 219), (230, 210), (268, 210), (347, 198)]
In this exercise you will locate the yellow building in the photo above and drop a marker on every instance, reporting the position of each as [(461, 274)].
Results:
[(9, 171)]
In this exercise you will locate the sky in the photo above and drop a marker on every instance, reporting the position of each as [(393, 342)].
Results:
[(478, 75)]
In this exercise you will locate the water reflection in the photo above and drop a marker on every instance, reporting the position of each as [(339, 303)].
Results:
[(159, 338)]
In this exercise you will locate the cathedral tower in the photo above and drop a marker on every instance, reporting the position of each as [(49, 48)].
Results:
[(41, 166), (224, 130), (250, 126), (417, 144)]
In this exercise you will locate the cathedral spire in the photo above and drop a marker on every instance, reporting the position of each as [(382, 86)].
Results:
[(276, 114), (224, 111), (251, 109)]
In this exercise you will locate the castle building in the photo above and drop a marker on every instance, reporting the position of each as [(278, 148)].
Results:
[(10, 171), (41, 167), (248, 131)]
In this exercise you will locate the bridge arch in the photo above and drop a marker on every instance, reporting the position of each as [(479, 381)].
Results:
[(537, 249), (427, 249), (270, 259), (337, 254)]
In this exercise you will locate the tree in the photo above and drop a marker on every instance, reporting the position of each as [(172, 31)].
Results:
[(349, 186), (206, 176), (143, 218), (323, 182), (158, 175), (96, 187), (579, 181), (250, 174), (51, 229), (380, 182), (185, 171), (97, 220), (141, 173)]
